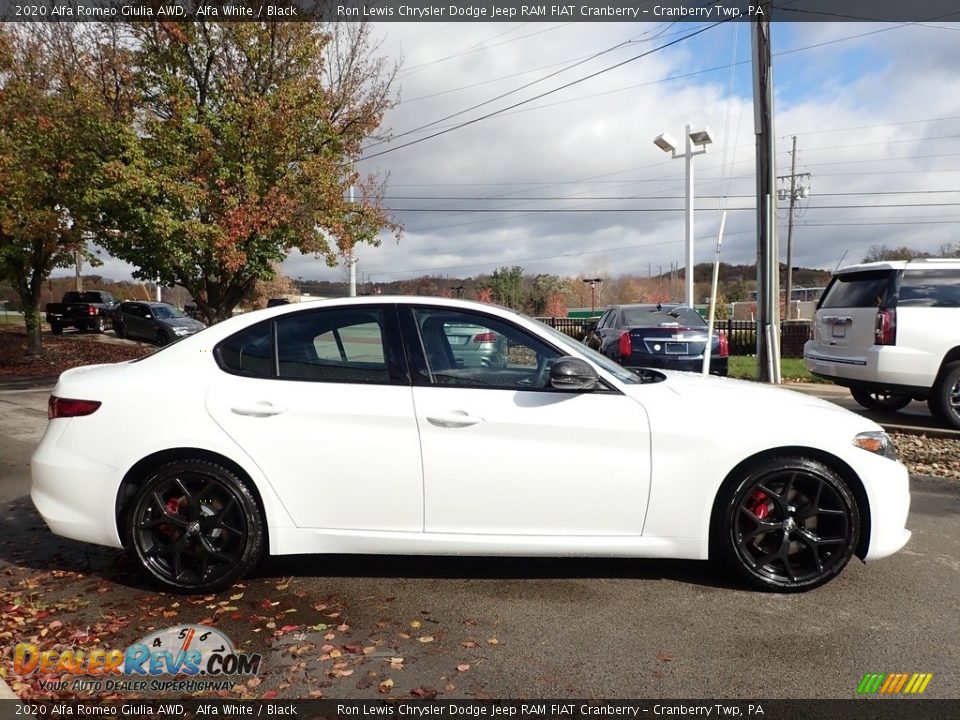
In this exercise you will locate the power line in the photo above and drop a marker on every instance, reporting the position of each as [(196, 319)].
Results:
[(543, 94)]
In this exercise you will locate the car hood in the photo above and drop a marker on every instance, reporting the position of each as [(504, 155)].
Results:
[(727, 401), (184, 322)]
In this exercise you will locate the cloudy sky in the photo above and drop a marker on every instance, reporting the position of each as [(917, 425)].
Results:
[(571, 183)]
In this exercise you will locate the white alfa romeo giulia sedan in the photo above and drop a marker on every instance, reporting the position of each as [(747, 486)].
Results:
[(358, 426)]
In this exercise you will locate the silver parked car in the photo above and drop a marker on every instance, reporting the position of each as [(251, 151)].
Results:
[(154, 322), (475, 346)]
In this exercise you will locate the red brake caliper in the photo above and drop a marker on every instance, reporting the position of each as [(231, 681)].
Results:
[(172, 506), (760, 504)]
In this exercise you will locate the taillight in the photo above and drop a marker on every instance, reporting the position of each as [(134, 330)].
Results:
[(489, 336), (886, 331), (59, 407), (625, 345), (724, 345), (91, 310)]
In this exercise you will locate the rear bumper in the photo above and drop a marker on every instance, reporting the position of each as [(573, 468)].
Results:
[(718, 366), (74, 494), (881, 367)]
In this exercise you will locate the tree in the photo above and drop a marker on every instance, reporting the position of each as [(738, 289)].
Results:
[(55, 132), (243, 152), (544, 287), (882, 252), (506, 286)]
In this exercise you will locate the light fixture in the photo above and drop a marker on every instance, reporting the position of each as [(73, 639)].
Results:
[(665, 142), (701, 137)]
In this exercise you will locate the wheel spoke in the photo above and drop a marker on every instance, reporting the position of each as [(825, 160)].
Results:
[(775, 496), (813, 545), (212, 552)]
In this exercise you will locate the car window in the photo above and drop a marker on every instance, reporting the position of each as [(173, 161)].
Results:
[(858, 290), (568, 343), (466, 349), (167, 312), (341, 345), (651, 317), (248, 352), (930, 288)]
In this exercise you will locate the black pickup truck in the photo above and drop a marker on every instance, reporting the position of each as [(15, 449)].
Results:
[(91, 310)]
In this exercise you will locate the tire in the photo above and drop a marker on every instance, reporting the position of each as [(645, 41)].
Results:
[(162, 338), (56, 328), (789, 524), (944, 400), (119, 330), (195, 527), (100, 325), (880, 399)]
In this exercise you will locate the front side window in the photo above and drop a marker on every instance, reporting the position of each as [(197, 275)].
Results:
[(467, 349)]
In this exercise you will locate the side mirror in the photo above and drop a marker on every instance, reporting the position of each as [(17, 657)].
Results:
[(570, 373), (589, 327)]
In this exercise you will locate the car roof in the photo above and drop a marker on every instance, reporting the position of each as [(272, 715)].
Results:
[(915, 264)]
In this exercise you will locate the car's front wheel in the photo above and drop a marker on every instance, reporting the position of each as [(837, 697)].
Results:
[(944, 400), (789, 524), (163, 338), (195, 526), (880, 399)]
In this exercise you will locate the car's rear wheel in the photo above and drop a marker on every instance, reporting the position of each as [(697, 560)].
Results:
[(119, 330), (944, 400), (195, 526), (880, 399), (100, 325), (56, 328), (789, 524)]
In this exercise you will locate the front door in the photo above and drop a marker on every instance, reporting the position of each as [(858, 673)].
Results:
[(505, 454)]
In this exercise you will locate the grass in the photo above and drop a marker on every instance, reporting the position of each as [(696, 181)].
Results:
[(791, 369)]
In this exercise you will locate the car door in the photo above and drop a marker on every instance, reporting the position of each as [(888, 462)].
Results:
[(133, 319), (327, 416), (505, 454)]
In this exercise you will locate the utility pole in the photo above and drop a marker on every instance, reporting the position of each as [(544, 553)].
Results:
[(352, 261), (768, 275), (796, 192)]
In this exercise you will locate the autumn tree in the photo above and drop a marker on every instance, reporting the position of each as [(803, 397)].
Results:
[(506, 286), (243, 151), (56, 129)]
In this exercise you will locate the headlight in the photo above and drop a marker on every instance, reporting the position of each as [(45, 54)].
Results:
[(876, 442), (182, 331)]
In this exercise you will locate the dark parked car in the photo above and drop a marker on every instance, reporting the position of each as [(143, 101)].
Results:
[(90, 310), (155, 322), (672, 337)]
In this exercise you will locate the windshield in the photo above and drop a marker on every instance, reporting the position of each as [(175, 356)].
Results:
[(618, 371), (651, 317), (166, 312)]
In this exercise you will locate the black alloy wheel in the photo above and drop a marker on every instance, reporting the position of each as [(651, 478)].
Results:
[(880, 399), (791, 524), (195, 527), (163, 338), (100, 324), (944, 400), (119, 330), (56, 328)]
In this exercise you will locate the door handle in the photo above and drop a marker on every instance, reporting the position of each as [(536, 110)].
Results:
[(455, 419), (258, 409)]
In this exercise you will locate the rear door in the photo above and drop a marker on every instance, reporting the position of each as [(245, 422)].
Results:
[(846, 320)]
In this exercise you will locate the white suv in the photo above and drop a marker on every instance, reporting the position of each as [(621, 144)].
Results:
[(890, 331)]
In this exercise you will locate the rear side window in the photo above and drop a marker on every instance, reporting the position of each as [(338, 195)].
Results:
[(930, 288), (249, 352), (859, 290), (333, 346)]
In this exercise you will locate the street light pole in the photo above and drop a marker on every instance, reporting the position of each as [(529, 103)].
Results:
[(699, 138), (593, 282)]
